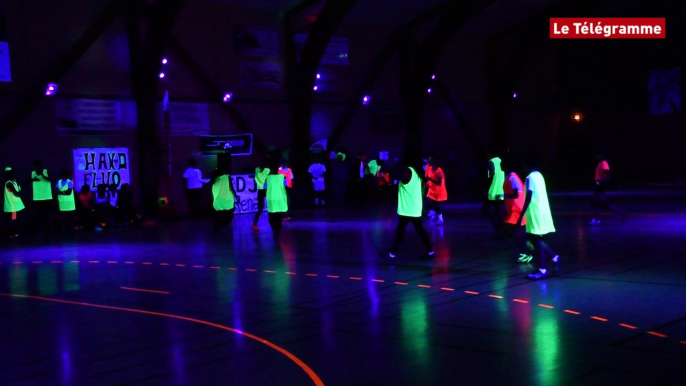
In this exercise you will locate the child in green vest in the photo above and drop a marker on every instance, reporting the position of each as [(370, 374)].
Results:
[(65, 199), (224, 199), (409, 211), (13, 203), (277, 200)]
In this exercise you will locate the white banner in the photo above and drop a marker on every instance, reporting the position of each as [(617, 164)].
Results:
[(260, 75), (247, 190), (88, 116), (109, 166), (185, 118), (5, 72)]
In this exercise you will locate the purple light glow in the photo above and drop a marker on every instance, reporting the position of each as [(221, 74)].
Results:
[(429, 91), (366, 99), (164, 60), (319, 76), (51, 89), (227, 97), (514, 95), (315, 88), (161, 75), (433, 76)]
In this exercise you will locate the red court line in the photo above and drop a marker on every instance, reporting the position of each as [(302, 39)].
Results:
[(145, 290), (423, 286), (355, 278), (628, 326), (545, 305), (657, 334), (400, 283), (270, 271), (291, 273), (378, 280), (447, 289), (573, 312), (599, 318), (471, 292), (313, 376), (332, 276), (310, 274), (180, 265), (495, 296), (520, 301)]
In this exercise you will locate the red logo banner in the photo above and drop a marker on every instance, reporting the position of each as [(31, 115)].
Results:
[(607, 28)]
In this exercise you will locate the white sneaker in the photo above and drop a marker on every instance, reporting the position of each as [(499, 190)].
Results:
[(439, 221), (432, 214)]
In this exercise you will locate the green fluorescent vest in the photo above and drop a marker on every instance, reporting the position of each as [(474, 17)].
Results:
[(277, 201), (223, 196), (12, 202), (496, 191), (66, 202), (410, 197), (41, 189)]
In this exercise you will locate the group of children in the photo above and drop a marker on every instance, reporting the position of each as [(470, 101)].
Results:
[(82, 210)]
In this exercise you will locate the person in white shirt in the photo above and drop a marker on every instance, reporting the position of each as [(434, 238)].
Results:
[(317, 170), (194, 182)]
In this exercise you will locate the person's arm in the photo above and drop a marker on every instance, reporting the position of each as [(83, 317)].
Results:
[(406, 176), (438, 180), (605, 178), (527, 202), (10, 186), (203, 180)]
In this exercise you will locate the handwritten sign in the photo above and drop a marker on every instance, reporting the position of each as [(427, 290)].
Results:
[(246, 188), (109, 166)]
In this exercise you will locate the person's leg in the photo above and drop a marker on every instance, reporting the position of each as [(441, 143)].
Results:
[(486, 210), (261, 196), (498, 216), (276, 223), (399, 233), (539, 253), (419, 228)]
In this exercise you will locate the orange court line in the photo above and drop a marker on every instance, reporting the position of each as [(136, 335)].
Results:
[(471, 292), (333, 276), (270, 271), (573, 312), (599, 318), (400, 283), (164, 263), (628, 326), (495, 296), (251, 270), (311, 274), (520, 301), (378, 280), (180, 265), (545, 305), (447, 289), (144, 290), (313, 376), (423, 286), (657, 334), (355, 278), (147, 263), (291, 273)]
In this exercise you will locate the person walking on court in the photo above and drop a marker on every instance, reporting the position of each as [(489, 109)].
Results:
[(491, 207), (409, 211), (261, 174), (514, 197), (194, 182), (13, 203), (224, 200), (539, 220), (65, 199), (42, 197), (277, 200), (437, 193), (599, 199)]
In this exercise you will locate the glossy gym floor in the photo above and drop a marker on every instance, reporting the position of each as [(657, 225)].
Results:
[(170, 304)]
